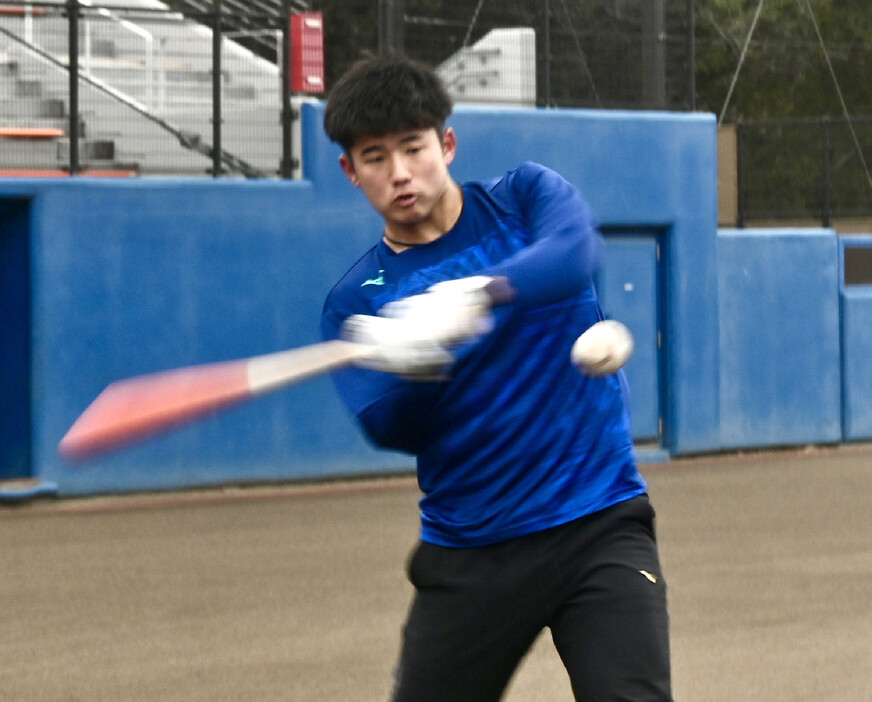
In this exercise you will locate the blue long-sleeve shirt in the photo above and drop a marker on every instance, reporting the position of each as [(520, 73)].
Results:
[(517, 440)]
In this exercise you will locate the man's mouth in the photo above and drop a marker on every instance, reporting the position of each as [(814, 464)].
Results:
[(406, 200)]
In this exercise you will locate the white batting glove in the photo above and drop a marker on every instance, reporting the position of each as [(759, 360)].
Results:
[(399, 347), (411, 336), (449, 312)]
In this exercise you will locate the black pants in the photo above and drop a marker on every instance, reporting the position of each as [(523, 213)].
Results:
[(595, 582)]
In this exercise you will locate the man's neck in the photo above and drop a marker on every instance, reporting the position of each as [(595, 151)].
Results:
[(441, 220)]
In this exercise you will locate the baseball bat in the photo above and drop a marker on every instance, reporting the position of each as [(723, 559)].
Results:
[(135, 408)]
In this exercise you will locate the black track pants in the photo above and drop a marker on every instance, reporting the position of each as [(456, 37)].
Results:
[(595, 582)]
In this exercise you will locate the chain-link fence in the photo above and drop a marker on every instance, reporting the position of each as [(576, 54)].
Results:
[(630, 54), (134, 90), (194, 87), (812, 169), (199, 87)]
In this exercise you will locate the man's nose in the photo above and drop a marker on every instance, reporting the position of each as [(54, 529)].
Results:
[(399, 169)]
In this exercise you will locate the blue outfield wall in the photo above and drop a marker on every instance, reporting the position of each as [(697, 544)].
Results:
[(780, 349), (134, 276), (14, 339), (856, 308), (857, 363), (641, 171)]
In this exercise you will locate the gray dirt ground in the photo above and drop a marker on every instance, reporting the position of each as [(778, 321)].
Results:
[(298, 592)]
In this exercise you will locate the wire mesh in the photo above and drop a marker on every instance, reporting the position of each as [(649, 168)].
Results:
[(804, 169), (594, 53), (150, 91)]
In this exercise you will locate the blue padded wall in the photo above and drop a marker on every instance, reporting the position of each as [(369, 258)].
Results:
[(856, 302), (14, 338), (780, 347), (135, 276), (857, 368), (651, 171)]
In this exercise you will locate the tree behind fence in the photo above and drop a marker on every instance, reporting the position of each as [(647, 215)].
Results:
[(803, 169)]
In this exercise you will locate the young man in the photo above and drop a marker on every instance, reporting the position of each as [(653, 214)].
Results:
[(533, 513)]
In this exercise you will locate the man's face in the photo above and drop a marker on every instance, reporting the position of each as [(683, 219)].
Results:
[(403, 174)]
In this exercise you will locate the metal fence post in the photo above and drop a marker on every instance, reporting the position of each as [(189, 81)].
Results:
[(543, 55), (826, 215), (73, 67), (691, 55), (740, 188), (286, 167), (654, 55), (216, 90), (390, 29)]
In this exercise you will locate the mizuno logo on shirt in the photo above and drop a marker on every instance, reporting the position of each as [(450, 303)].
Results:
[(380, 280)]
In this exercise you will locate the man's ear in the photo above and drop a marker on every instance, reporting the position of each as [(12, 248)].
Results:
[(449, 145), (348, 168)]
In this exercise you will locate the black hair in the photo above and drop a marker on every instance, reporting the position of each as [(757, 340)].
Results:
[(384, 94)]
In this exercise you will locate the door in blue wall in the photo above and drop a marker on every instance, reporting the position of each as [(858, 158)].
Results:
[(14, 339), (628, 289)]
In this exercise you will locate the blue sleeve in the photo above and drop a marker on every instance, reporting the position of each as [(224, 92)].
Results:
[(566, 242), (392, 412)]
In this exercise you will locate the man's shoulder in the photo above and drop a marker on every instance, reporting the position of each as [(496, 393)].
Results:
[(520, 183), (363, 273), (525, 172), (510, 191)]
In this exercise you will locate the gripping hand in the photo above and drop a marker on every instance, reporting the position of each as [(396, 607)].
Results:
[(412, 335), (398, 347), (449, 312)]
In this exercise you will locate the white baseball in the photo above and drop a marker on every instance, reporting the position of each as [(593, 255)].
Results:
[(603, 349)]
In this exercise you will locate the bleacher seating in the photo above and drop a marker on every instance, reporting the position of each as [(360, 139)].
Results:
[(30, 132), (244, 20), (140, 71)]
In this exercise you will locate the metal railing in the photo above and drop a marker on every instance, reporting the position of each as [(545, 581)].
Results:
[(123, 76), (197, 88), (586, 53)]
